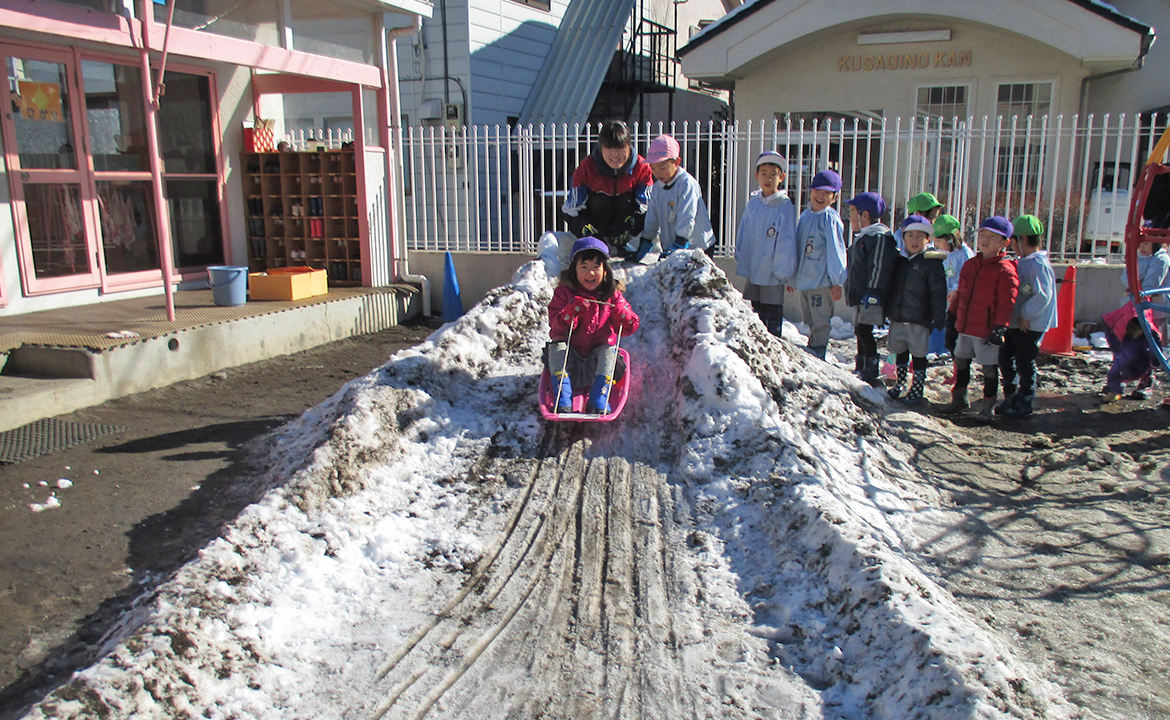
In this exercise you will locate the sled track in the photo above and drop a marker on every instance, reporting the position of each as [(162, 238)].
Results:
[(575, 612)]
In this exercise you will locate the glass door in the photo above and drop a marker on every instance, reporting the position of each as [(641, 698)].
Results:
[(50, 188)]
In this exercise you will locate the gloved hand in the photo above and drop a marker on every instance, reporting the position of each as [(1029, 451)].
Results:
[(570, 312), (643, 248), (680, 243), (622, 318), (996, 336), (588, 230), (870, 300)]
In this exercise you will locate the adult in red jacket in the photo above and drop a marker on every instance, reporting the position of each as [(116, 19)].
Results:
[(988, 285), (610, 190)]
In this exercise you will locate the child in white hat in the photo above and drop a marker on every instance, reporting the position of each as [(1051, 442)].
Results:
[(765, 244)]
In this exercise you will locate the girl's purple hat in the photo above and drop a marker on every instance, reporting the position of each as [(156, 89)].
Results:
[(917, 222), (826, 180), (998, 225), (589, 243)]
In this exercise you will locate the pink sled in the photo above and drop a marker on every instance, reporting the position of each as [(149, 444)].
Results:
[(617, 398)]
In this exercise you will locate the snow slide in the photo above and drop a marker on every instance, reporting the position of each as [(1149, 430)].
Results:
[(739, 544)]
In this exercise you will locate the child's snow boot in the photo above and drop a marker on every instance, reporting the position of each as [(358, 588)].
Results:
[(1022, 407), (818, 350), (916, 388), (599, 396), (564, 398), (957, 404), (900, 384), (870, 370), (987, 408), (1009, 401)]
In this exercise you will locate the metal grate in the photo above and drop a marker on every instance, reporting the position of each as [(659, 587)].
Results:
[(46, 436)]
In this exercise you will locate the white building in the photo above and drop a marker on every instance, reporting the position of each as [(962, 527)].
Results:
[(958, 59)]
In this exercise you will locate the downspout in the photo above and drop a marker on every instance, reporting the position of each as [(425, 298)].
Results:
[(1147, 41), (395, 202)]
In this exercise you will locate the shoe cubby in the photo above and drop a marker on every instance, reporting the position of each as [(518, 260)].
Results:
[(301, 209)]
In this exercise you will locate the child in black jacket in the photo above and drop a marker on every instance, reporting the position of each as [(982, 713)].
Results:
[(917, 305)]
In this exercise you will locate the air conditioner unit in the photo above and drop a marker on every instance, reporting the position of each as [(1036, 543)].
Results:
[(430, 109)]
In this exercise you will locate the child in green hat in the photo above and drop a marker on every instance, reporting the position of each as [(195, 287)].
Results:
[(1033, 314), (948, 237)]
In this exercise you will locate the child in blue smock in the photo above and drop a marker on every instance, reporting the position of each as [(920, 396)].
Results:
[(948, 237), (765, 243), (820, 276), (1033, 314), (676, 215)]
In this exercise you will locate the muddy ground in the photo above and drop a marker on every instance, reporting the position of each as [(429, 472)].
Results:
[(1065, 540)]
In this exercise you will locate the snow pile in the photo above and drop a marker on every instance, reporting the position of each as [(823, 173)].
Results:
[(805, 520)]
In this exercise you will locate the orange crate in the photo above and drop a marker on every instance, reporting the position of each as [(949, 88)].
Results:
[(288, 283)]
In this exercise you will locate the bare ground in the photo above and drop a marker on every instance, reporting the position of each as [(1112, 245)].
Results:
[(1057, 532)]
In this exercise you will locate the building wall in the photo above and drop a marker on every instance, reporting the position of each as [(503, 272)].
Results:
[(818, 74), (1144, 89), (494, 47)]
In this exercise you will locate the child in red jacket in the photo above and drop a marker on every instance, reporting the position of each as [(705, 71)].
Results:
[(988, 285), (585, 315)]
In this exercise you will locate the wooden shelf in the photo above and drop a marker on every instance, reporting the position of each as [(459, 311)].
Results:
[(301, 209)]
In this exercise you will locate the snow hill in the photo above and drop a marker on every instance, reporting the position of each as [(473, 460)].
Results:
[(739, 544)]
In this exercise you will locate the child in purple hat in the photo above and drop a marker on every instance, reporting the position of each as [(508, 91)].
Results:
[(820, 276), (988, 285), (584, 317), (869, 272)]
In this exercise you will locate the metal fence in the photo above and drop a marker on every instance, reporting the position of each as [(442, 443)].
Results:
[(497, 189)]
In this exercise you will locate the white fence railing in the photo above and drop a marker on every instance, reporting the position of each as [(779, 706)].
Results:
[(496, 189)]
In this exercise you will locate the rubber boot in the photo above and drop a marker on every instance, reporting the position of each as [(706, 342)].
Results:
[(1022, 407), (871, 370), (957, 404), (987, 408), (564, 399), (599, 396), (1009, 400), (818, 350), (900, 383), (916, 388)]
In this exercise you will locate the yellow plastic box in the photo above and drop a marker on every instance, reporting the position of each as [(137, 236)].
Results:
[(289, 283)]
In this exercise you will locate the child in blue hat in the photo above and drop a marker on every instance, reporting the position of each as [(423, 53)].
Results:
[(869, 272), (584, 317), (820, 276), (988, 285)]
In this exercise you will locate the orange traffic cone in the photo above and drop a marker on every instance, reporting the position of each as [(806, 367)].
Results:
[(1058, 340)]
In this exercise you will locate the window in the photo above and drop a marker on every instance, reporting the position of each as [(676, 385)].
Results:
[(942, 103), (1024, 99), (1018, 162), (545, 5)]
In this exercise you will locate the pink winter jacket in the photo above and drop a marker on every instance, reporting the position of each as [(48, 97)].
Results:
[(596, 326)]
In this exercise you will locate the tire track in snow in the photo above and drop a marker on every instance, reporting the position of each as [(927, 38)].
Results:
[(575, 613)]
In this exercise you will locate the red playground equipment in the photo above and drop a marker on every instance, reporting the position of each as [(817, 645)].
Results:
[(1154, 184)]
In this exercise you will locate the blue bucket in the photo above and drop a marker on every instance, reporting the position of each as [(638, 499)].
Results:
[(229, 284)]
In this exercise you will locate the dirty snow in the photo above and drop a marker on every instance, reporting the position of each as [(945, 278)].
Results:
[(386, 498)]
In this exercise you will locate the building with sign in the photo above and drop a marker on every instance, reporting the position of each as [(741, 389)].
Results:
[(902, 59)]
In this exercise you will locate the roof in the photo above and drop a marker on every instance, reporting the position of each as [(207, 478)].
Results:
[(750, 8), (566, 88)]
